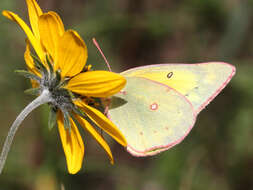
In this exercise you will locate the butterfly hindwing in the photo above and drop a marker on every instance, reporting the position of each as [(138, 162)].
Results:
[(151, 116)]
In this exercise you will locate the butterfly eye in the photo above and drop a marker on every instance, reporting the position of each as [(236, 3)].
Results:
[(169, 75)]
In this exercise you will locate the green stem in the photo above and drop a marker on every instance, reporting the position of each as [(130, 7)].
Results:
[(42, 99)]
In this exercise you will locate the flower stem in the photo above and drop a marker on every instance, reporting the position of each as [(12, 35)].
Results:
[(42, 99)]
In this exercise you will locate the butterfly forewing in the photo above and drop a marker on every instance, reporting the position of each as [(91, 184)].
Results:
[(199, 83)]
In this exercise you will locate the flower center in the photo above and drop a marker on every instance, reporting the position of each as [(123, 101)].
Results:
[(48, 80)]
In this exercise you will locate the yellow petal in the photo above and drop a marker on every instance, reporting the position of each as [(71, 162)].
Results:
[(97, 83), (34, 41), (86, 125), (59, 22), (103, 122), (72, 54), (34, 12), (50, 29), (72, 145)]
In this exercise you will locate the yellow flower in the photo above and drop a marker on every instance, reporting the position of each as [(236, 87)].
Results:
[(75, 91)]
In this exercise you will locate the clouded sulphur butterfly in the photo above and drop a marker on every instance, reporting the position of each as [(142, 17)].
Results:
[(160, 103)]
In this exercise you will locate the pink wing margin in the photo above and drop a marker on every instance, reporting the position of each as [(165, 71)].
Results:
[(233, 71)]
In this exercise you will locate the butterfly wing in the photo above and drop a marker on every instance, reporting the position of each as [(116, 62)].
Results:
[(158, 107), (199, 83), (152, 116)]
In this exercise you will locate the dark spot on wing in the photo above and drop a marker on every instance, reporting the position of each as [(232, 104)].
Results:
[(169, 75)]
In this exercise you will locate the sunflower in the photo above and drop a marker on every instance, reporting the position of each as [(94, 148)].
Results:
[(61, 78)]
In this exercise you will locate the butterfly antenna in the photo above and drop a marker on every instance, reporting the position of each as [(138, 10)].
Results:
[(99, 49)]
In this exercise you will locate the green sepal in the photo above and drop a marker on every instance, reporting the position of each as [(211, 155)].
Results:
[(56, 80), (51, 119), (51, 69), (60, 84), (58, 75), (39, 65), (33, 91), (66, 120), (28, 74)]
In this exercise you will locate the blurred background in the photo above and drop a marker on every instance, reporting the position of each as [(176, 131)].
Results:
[(218, 152)]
